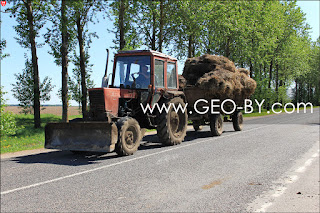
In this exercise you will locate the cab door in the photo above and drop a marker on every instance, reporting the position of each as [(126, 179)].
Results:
[(158, 79)]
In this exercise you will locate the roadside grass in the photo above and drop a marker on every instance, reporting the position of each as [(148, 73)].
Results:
[(28, 137), (264, 112)]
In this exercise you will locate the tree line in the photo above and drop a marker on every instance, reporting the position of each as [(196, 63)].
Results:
[(271, 38)]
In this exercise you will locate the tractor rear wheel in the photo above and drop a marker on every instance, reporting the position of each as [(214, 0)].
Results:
[(172, 126), (129, 136), (216, 125), (237, 120)]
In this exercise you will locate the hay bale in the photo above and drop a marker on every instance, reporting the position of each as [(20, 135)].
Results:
[(182, 82), (196, 67), (245, 71), (218, 76)]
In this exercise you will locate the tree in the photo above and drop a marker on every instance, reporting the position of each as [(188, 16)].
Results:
[(75, 81), (30, 17), (187, 27), (127, 36), (61, 38), (23, 88), (152, 20), (84, 12)]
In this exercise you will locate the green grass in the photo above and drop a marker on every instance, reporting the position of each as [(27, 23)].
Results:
[(28, 137), (264, 112)]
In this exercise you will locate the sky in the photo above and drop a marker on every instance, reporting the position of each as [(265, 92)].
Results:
[(15, 63)]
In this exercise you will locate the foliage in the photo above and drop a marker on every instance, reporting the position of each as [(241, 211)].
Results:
[(8, 124), (19, 12), (28, 137), (23, 88), (53, 35), (3, 45), (75, 80), (131, 36)]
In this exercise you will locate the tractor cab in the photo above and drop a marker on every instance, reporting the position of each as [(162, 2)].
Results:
[(138, 77), (144, 69)]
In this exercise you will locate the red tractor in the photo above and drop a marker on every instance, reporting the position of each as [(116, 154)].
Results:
[(116, 119)]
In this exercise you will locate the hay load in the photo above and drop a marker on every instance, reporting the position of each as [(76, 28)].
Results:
[(219, 77)]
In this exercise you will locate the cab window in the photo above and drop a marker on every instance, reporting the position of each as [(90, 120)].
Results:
[(159, 73), (171, 75)]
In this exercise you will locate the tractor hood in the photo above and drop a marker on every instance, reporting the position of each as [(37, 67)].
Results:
[(106, 100)]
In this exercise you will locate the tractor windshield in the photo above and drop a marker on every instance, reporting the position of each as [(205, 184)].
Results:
[(132, 72)]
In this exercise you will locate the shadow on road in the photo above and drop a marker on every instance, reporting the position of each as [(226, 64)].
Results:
[(70, 159), (64, 158)]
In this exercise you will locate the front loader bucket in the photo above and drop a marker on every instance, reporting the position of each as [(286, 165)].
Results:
[(81, 136)]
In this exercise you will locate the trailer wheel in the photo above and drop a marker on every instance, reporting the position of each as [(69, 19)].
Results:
[(129, 136), (216, 125), (237, 120), (196, 125), (172, 126)]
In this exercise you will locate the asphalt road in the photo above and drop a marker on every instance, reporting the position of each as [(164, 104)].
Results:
[(226, 173)]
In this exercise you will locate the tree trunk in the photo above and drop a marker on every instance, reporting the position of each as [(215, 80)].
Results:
[(300, 93), (82, 67), (161, 25), (296, 92), (311, 93), (121, 24), (64, 55), (260, 72), (190, 47), (277, 81), (153, 39), (251, 69), (228, 47), (36, 90), (308, 92), (270, 74)]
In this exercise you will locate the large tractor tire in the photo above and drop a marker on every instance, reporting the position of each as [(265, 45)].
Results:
[(196, 125), (237, 120), (129, 136), (216, 125), (172, 126)]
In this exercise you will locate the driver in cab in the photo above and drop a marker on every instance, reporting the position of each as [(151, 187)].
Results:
[(143, 80)]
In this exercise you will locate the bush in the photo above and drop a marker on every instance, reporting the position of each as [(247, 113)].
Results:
[(8, 125)]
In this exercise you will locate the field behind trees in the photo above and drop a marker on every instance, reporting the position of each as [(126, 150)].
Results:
[(54, 110)]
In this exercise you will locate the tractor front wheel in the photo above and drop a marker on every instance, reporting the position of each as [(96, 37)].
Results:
[(129, 136)]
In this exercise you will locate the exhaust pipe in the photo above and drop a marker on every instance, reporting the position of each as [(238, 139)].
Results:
[(105, 79)]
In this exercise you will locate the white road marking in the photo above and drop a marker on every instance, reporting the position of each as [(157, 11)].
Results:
[(279, 191), (136, 158), (301, 169), (315, 155), (264, 207), (269, 197), (292, 179), (308, 162)]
